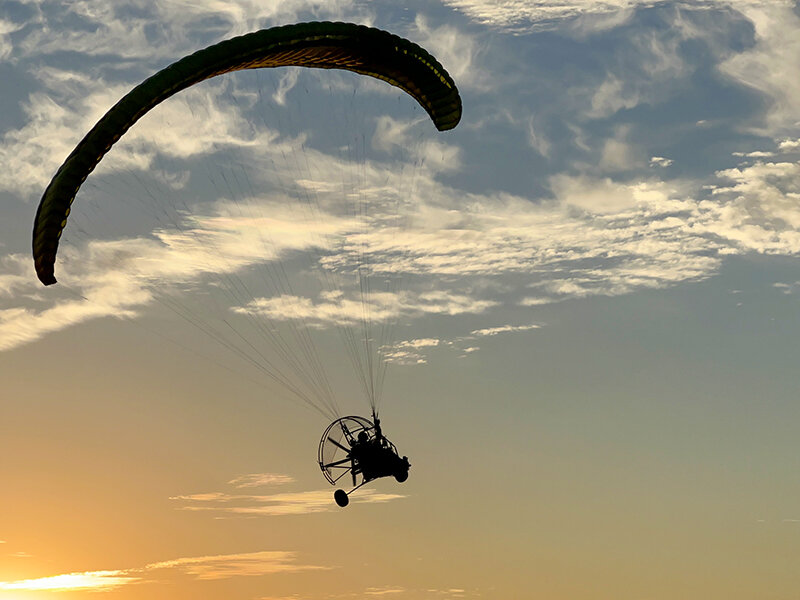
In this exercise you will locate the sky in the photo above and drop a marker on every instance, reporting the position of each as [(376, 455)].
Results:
[(584, 299)]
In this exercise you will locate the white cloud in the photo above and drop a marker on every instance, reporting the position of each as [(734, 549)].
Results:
[(595, 236), (536, 301), (760, 208), (411, 352), (598, 236), (492, 331), (536, 140), (222, 566), (14, 275), (789, 145), (403, 137), (519, 15), (57, 118), (456, 50), (770, 67), (586, 15), (755, 154), (286, 83), (418, 343), (408, 352), (611, 97), (286, 503), (606, 196), (647, 69), (660, 161), (260, 479), (380, 306), (618, 154), (7, 28), (226, 566), (404, 357), (19, 326), (181, 23), (787, 288), (87, 580)]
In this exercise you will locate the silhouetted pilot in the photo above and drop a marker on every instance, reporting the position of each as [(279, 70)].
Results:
[(366, 456)]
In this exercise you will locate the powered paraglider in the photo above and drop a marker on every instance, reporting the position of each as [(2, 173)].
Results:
[(234, 240), (356, 446)]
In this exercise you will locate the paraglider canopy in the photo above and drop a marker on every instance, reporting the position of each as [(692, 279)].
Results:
[(323, 45)]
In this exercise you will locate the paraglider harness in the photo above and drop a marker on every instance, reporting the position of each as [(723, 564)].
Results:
[(370, 455)]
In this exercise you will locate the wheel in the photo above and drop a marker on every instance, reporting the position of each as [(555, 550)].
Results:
[(401, 476), (341, 498)]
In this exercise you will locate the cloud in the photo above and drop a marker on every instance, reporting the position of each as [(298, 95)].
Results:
[(129, 34), (611, 97), (411, 352), (380, 306), (643, 237), (222, 566), (226, 566), (392, 134), (260, 479), (457, 252), (19, 326), (287, 503), (117, 277), (87, 580), (522, 15), (597, 236), (646, 67), (606, 196), (787, 288), (7, 28), (492, 331), (789, 145), (72, 102), (660, 161), (760, 210), (770, 66), (755, 154), (286, 83), (618, 154), (404, 357), (585, 16), (456, 50), (407, 352)]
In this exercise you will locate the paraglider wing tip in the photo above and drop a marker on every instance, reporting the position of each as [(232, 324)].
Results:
[(449, 125), (44, 271)]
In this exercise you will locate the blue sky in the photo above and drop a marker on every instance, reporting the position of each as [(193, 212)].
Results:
[(598, 294)]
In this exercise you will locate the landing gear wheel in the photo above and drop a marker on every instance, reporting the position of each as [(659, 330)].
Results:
[(341, 497), (401, 476)]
